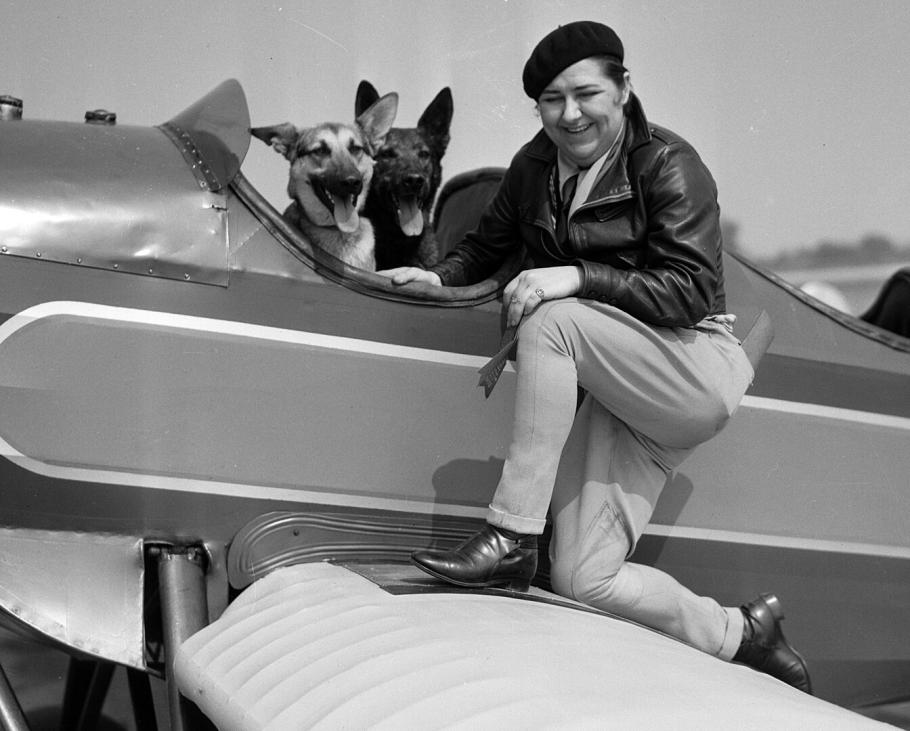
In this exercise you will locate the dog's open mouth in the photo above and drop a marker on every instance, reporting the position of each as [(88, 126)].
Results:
[(343, 208), (410, 214)]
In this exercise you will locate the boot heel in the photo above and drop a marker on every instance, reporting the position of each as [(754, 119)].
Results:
[(774, 606)]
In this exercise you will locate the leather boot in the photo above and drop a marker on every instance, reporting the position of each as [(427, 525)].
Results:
[(491, 557), (764, 647)]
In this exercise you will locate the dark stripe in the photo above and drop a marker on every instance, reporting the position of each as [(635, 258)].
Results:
[(832, 384)]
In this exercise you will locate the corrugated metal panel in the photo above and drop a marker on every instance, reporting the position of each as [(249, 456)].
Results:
[(317, 646)]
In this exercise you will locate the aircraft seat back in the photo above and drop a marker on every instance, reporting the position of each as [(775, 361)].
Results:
[(461, 200), (891, 308)]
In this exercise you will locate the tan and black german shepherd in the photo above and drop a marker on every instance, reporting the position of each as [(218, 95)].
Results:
[(405, 180), (331, 170)]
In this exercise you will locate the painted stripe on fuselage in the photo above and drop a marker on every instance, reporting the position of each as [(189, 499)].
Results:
[(232, 327), (333, 342), (341, 499), (759, 539), (826, 412)]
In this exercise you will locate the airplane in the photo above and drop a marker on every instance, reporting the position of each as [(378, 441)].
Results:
[(196, 405)]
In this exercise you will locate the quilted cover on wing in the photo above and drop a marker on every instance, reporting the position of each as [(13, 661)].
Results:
[(318, 646)]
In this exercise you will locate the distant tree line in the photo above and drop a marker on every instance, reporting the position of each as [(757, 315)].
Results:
[(873, 248)]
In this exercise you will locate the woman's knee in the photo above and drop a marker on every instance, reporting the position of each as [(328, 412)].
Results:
[(618, 591), (561, 579), (589, 579), (577, 582), (584, 559)]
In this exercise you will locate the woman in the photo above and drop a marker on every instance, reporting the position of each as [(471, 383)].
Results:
[(625, 298)]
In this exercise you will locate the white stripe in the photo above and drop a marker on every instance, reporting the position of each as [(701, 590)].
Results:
[(241, 329), (398, 505), (228, 327), (243, 490), (826, 412), (333, 342), (760, 539)]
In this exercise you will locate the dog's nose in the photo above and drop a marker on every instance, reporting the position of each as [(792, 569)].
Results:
[(413, 182), (352, 185)]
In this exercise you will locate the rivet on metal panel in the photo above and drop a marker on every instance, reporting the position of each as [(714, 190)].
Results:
[(116, 266), (78, 259), (38, 254), (3, 249), (150, 271), (186, 276)]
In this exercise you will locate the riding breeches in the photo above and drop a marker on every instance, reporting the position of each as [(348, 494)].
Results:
[(653, 394)]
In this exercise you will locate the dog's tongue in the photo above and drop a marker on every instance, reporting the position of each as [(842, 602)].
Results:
[(410, 217), (346, 214)]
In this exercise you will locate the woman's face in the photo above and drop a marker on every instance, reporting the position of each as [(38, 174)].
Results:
[(582, 111)]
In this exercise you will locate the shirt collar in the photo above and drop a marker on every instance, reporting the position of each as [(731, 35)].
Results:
[(587, 177)]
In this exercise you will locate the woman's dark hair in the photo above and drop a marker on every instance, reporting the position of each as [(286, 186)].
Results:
[(613, 70)]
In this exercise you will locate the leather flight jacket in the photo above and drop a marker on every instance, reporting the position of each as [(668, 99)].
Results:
[(647, 240)]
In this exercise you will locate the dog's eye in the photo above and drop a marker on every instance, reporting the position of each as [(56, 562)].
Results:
[(356, 150), (320, 151)]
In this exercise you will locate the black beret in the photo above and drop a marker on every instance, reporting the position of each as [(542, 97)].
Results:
[(564, 46)]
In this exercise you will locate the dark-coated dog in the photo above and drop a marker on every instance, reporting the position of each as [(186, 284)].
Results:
[(331, 170), (406, 177)]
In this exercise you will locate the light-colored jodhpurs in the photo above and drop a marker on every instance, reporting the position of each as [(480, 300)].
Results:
[(653, 394)]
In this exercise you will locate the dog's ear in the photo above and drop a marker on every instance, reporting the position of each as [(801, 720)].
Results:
[(366, 97), (377, 120), (282, 137), (436, 120)]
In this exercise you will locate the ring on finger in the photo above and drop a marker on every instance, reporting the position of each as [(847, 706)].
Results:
[(539, 292)]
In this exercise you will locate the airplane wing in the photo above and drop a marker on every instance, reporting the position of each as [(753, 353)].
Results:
[(324, 646)]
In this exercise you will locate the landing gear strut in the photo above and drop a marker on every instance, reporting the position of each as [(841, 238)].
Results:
[(184, 611)]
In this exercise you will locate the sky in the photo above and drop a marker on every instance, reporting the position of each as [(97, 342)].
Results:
[(800, 110)]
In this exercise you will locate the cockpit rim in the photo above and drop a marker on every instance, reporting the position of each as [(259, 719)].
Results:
[(361, 280)]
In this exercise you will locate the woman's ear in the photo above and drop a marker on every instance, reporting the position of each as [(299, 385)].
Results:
[(626, 87)]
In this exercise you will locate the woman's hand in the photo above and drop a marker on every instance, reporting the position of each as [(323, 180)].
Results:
[(403, 275), (534, 286)]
